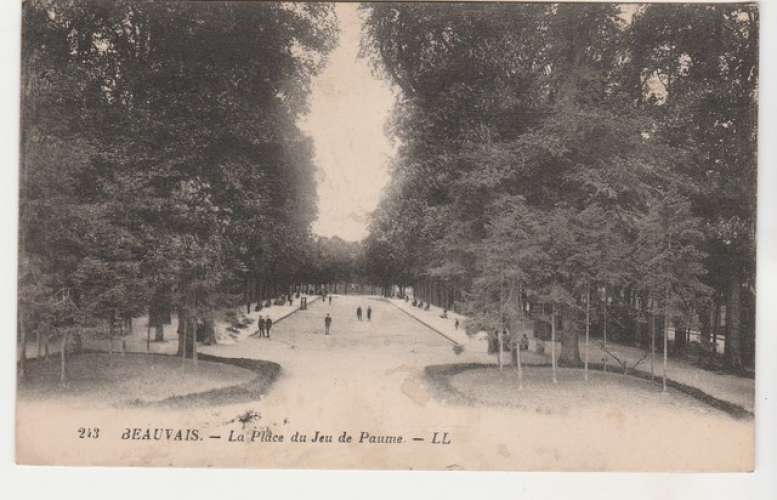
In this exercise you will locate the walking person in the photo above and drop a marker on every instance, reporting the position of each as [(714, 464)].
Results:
[(330, 300), (359, 313), (261, 326), (267, 326), (327, 323), (369, 313)]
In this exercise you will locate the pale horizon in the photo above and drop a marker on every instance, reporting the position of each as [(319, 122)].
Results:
[(349, 107)]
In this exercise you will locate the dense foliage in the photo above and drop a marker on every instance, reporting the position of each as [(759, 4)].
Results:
[(558, 155), (162, 164)]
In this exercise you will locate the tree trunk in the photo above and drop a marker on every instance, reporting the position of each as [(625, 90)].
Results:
[(705, 317), (604, 327), (678, 340), (733, 347), (122, 342), (570, 342), (210, 330), (248, 296), (194, 340), (110, 340), (63, 359), (553, 342), (666, 337), (183, 320), (748, 329), (716, 325), (652, 320), (500, 345), (23, 353), (123, 330), (587, 327)]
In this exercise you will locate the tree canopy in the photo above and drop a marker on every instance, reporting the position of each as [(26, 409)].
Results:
[(161, 156), (550, 149)]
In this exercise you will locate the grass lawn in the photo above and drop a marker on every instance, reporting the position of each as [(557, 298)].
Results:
[(485, 385), (97, 380)]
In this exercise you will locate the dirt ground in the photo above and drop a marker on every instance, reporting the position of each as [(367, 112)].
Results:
[(369, 377)]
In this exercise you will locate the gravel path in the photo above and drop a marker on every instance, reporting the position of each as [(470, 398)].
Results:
[(369, 377)]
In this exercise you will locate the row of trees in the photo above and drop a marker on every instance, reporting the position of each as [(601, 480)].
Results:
[(573, 161), (162, 166), (336, 263)]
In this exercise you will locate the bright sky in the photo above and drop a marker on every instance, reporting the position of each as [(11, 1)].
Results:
[(349, 108)]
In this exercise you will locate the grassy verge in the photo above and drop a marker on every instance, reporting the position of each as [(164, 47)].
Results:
[(440, 376), (147, 380), (266, 373)]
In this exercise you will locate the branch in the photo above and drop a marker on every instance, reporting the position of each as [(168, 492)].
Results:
[(616, 358), (639, 361)]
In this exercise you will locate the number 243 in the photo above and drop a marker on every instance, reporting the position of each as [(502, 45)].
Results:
[(88, 432)]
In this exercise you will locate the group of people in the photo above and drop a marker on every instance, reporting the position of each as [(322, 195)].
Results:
[(425, 307), (421, 305), (265, 325), (360, 315)]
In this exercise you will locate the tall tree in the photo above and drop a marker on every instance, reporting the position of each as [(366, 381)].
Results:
[(160, 151)]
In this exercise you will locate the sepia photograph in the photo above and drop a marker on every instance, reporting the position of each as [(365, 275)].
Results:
[(481, 236)]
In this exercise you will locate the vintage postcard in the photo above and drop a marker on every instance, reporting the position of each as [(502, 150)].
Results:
[(439, 236)]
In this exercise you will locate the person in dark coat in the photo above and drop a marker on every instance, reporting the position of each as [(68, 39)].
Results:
[(359, 313), (327, 323), (267, 326), (261, 326), (369, 313)]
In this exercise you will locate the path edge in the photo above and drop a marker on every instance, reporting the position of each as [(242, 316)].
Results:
[(427, 325)]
